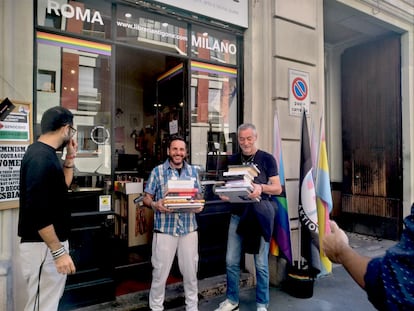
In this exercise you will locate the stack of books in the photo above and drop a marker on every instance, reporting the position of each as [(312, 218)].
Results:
[(181, 196), (238, 183)]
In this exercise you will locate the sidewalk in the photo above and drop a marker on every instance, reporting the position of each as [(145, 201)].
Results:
[(334, 292)]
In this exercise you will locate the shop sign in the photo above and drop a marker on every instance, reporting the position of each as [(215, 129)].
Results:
[(10, 161), (215, 45), (69, 11), (204, 42), (299, 97)]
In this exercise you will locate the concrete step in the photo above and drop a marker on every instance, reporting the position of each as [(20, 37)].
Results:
[(174, 295)]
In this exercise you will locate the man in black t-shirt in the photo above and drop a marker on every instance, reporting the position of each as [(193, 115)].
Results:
[(251, 224), (44, 215)]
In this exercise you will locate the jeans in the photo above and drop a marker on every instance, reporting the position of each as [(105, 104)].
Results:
[(233, 257)]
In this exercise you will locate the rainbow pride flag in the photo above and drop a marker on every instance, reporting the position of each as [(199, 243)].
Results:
[(280, 244)]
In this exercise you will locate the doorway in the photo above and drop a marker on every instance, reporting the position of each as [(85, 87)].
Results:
[(371, 137), (150, 106), (364, 121), (148, 100)]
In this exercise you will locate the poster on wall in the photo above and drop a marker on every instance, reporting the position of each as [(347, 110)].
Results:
[(299, 97), (16, 134), (10, 160), (15, 127)]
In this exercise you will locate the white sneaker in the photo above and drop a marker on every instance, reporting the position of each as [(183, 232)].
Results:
[(226, 305), (261, 309)]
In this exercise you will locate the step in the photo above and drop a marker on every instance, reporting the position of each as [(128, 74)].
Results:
[(174, 295)]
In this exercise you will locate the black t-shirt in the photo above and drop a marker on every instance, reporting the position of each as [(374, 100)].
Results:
[(43, 194), (267, 166)]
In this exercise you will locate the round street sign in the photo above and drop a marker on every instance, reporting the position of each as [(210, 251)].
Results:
[(299, 88)]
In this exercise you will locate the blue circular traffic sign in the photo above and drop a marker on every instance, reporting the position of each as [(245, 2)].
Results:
[(299, 88)]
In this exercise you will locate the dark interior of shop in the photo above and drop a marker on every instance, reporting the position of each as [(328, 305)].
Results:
[(137, 73), (157, 102)]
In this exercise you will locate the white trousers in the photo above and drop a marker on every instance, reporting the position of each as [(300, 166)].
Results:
[(164, 248), (44, 284)]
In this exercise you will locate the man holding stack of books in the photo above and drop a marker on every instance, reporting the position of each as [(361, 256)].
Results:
[(175, 225), (252, 216)]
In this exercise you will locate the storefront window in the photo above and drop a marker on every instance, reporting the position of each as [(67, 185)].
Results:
[(132, 81), (150, 30), (213, 113), (85, 17), (75, 74), (153, 98), (213, 46)]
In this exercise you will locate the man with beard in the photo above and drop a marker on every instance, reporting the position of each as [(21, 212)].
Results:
[(174, 232), (44, 215)]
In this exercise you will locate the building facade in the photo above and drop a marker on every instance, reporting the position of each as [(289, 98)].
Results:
[(210, 74)]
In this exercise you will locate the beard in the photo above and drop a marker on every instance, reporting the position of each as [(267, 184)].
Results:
[(63, 145), (171, 159)]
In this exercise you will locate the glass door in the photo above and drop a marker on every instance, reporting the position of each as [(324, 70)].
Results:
[(170, 113)]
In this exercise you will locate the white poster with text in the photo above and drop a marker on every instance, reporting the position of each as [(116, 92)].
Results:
[(10, 161)]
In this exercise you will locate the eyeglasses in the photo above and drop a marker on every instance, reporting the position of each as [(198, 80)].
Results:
[(72, 131)]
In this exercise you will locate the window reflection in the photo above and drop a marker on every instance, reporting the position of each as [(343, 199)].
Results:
[(138, 27), (82, 79), (213, 111)]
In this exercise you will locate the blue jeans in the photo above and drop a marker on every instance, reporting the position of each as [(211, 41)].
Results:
[(233, 256)]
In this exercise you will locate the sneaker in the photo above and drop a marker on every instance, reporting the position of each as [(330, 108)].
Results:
[(261, 309), (226, 305)]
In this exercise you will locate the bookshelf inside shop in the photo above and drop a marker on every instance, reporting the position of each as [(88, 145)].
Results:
[(134, 221)]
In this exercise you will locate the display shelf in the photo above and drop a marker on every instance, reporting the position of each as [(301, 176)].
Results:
[(135, 221)]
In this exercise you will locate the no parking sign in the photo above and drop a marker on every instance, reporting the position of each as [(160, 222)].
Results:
[(298, 92)]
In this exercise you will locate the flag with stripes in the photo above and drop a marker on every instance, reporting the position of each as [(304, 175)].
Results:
[(323, 199), (281, 243)]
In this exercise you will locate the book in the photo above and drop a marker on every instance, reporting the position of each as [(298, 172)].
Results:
[(239, 183), (181, 191), (180, 188), (180, 183), (241, 190), (173, 196), (238, 174), (238, 178), (182, 201), (183, 204), (188, 206), (243, 166), (180, 195), (251, 168), (236, 195)]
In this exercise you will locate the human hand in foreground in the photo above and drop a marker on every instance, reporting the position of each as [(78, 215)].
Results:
[(336, 247), (335, 243)]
